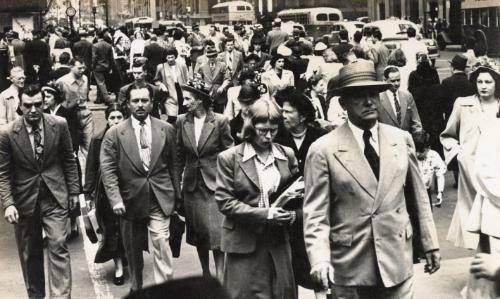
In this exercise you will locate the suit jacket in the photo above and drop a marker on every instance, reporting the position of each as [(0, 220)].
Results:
[(380, 56), (360, 224), (237, 64), (263, 58), (217, 77), (124, 177), (75, 130), (155, 55), (36, 52), (164, 75), (102, 57), (238, 194), (21, 175), (199, 162), (452, 88), (410, 120), (83, 48)]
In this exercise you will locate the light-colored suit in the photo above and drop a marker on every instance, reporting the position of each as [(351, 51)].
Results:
[(164, 74), (358, 224), (410, 120), (235, 67)]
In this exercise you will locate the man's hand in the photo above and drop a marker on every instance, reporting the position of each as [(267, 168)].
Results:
[(73, 202), (220, 89), (11, 214), (485, 266), (322, 274), (119, 209), (279, 215), (433, 261)]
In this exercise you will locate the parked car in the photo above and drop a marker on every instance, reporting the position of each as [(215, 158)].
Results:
[(350, 26)]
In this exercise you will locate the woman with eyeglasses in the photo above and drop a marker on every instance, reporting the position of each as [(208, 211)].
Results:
[(201, 136), (111, 245), (254, 232)]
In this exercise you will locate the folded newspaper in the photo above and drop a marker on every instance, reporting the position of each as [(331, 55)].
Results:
[(291, 194)]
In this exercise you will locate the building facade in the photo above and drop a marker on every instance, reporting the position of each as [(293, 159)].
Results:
[(414, 10)]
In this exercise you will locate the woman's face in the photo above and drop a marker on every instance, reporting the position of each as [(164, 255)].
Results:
[(190, 101), (291, 117), (280, 63), (50, 100), (485, 85), (115, 118), (265, 134), (319, 88)]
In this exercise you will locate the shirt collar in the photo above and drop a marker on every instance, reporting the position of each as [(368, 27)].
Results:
[(29, 128), (249, 152), (136, 122), (359, 132)]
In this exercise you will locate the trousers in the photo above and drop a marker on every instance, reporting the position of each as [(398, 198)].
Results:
[(403, 290)]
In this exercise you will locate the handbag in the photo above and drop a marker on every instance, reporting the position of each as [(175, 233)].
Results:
[(177, 228)]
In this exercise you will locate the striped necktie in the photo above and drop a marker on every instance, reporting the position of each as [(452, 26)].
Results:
[(398, 108), (37, 138), (145, 148)]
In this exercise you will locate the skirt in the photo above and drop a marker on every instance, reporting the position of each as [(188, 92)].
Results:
[(203, 218)]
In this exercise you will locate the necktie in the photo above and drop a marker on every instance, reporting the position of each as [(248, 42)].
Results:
[(370, 153), (230, 66), (37, 138), (145, 150), (398, 107), (212, 67)]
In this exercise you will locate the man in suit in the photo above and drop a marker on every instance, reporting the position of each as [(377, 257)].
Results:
[(217, 78), (209, 46), (37, 62), (232, 58), (155, 55), (362, 185), (396, 106), (102, 65), (83, 49), (195, 40), (379, 54), (276, 36), (39, 193), (141, 179), (63, 67), (342, 50), (258, 43)]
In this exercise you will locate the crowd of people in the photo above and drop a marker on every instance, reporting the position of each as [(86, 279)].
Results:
[(215, 128)]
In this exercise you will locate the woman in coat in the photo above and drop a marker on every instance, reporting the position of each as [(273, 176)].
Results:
[(460, 140), (277, 78), (254, 232), (201, 136), (111, 245)]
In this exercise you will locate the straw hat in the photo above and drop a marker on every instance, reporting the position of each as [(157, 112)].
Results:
[(360, 75)]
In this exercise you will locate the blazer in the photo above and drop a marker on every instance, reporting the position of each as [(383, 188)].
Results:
[(380, 56), (124, 177), (199, 162), (164, 75), (21, 175), (217, 77), (357, 223), (274, 83), (410, 120), (456, 86), (72, 118), (238, 194), (237, 64), (155, 55), (102, 57)]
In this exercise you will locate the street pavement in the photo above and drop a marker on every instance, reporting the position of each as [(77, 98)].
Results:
[(95, 280)]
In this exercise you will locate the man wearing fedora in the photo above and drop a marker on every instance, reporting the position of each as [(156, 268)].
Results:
[(356, 216), (217, 77)]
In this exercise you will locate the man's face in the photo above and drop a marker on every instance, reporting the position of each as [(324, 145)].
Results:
[(291, 117), (171, 59), (360, 106), (394, 79), (140, 103), (78, 69), (210, 48), (230, 46), (212, 60), (252, 64), (139, 74), (50, 100), (257, 47), (18, 79), (212, 31), (32, 107)]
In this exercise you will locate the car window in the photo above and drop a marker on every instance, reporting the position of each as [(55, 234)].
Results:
[(333, 17), (322, 17)]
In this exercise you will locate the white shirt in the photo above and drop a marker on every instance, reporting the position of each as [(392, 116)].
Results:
[(53, 112), (390, 95), (137, 130), (173, 71), (358, 135), (198, 126)]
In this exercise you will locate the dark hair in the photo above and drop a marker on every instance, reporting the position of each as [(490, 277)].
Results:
[(357, 36), (261, 111), (475, 74), (248, 91), (358, 52), (246, 74), (303, 105), (275, 58), (101, 33), (313, 80), (344, 34), (390, 69), (252, 56), (112, 108), (367, 31), (60, 44), (138, 63), (209, 42), (411, 32), (229, 38), (178, 34), (421, 140), (133, 86), (64, 58), (30, 90), (53, 90), (76, 59), (171, 51), (397, 58), (377, 34)]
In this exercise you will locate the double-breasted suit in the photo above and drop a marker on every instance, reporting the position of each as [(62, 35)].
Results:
[(198, 161), (149, 195), (410, 120), (358, 224), (40, 193)]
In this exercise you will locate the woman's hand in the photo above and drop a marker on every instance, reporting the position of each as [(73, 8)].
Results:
[(279, 216)]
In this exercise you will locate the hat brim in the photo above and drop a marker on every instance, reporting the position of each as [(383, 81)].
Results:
[(371, 85), (195, 91), (482, 69)]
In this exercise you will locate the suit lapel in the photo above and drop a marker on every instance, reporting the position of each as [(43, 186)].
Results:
[(49, 133), (403, 101), (385, 101), (22, 140), (189, 131), (157, 141), (129, 144), (206, 130), (249, 168), (388, 165), (352, 158)]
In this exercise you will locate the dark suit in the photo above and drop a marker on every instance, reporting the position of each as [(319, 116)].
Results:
[(83, 49), (102, 64), (36, 52), (410, 120), (40, 195), (59, 72), (71, 117), (155, 55), (298, 66), (149, 196), (263, 58), (452, 88)]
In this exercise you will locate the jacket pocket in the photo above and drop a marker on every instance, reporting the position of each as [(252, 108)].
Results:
[(341, 239), (228, 224)]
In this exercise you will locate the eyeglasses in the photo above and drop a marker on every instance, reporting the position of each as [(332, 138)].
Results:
[(30, 105), (265, 131)]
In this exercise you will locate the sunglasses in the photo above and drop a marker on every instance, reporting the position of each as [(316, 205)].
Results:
[(30, 105)]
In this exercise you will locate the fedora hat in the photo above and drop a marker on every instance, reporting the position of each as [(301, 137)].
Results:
[(360, 74), (459, 62)]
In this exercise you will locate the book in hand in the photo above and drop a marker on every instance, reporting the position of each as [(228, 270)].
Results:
[(290, 195)]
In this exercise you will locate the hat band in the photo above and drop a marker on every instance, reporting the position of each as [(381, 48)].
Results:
[(357, 78)]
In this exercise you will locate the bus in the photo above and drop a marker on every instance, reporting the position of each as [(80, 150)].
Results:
[(233, 12), (318, 21), (140, 22)]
